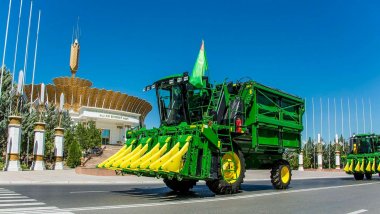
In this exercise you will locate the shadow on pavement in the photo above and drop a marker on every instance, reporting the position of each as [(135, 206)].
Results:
[(166, 194), (199, 191)]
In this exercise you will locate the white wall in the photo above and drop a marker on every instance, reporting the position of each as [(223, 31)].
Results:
[(114, 131)]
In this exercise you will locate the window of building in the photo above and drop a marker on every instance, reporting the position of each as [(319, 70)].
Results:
[(106, 136)]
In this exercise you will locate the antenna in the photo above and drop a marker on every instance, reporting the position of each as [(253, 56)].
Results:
[(5, 47), (77, 30), (72, 37)]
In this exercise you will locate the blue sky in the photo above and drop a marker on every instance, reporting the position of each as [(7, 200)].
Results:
[(322, 49)]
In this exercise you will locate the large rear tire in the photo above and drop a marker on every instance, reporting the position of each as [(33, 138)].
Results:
[(182, 186), (368, 176), (358, 176), (281, 174), (232, 174)]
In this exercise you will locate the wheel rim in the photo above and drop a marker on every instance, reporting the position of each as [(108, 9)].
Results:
[(285, 174), (231, 167)]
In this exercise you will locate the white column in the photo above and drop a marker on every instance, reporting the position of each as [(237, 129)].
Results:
[(13, 144), (39, 146), (337, 159), (319, 152), (124, 133), (319, 160), (300, 161), (58, 148)]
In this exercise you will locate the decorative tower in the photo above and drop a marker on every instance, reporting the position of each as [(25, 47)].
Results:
[(74, 58), (39, 136), (58, 137), (300, 161), (14, 132), (319, 152), (337, 152), (13, 144)]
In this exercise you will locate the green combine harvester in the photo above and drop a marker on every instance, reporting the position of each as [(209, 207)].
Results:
[(364, 158), (214, 133)]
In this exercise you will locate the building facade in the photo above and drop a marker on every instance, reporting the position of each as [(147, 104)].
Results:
[(113, 112)]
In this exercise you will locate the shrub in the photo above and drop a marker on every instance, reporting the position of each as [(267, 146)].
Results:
[(75, 155)]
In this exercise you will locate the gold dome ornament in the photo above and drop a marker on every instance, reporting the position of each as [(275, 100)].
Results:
[(74, 57)]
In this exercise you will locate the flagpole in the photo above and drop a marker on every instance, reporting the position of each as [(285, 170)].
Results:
[(328, 128), (320, 102), (349, 117), (312, 101), (16, 50), (335, 117), (370, 114), (341, 108), (27, 42), (328, 119), (306, 127), (35, 57), (5, 47), (356, 115), (363, 115)]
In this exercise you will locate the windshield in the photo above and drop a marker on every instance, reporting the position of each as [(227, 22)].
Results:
[(361, 145), (171, 105)]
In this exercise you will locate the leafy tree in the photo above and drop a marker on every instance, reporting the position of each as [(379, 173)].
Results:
[(306, 161), (88, 136), (292, 158), (82, 136), (5, 101), (27, 136), (75, 154), (310, 154), (94, 135), (51, 120), (69, 138)]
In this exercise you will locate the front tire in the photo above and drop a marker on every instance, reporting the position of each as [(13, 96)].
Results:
[(368, 176), (358, 176), (281, 175), (182, 186), (232, 174)]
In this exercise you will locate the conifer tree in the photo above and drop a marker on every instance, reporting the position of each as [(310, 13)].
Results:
[(74, 157)]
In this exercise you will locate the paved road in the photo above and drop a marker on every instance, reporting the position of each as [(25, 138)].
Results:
[(334, 195)]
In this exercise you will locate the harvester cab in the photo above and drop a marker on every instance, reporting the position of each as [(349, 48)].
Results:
[(178, 101), (213, 133), (364, 157)]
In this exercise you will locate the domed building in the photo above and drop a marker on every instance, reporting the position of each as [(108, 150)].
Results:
[(113, 112)]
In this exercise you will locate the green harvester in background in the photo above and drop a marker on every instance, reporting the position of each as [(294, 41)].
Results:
[(213, 132), (364, 157)]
